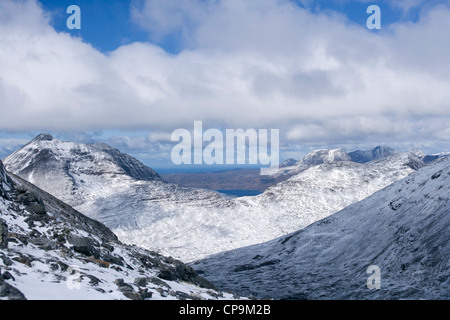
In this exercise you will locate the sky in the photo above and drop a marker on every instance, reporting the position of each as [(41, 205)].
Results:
[(139, 69)]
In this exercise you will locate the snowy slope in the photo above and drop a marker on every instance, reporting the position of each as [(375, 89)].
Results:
[(194, 231), (48, 251), (403, 229), (190, 224)]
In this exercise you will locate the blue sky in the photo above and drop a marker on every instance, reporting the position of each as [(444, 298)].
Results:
[(105, 24), (108, 25), (139, 69)]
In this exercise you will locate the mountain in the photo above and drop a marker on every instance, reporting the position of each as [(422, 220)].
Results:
[(190, 232), (402, 231), (324, 189), (99, 181), (189, 223), (62, 165), (49, 251), (364, 156)]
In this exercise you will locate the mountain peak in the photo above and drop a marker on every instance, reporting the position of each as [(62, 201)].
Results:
[(64, 156), (324, 156), (44, 137), (78, 170), (288, 163)]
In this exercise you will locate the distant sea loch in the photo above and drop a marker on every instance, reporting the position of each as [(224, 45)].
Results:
[(240, 193)]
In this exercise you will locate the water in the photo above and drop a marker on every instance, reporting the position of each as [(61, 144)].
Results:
[(240, 193)]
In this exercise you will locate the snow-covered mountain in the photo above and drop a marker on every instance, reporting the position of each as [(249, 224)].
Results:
[(60, 167), (324, 189), (291, 167), (188, 223), (192, 232), (49, 251), (400, 233), (98, 180)]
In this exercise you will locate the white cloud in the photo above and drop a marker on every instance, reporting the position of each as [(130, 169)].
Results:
[(407, 5), (250, 64), (162, 18)]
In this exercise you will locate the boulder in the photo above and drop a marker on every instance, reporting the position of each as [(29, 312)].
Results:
[(141, 282), (83, 245), (32, 202)]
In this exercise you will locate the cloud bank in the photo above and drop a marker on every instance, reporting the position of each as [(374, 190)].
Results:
[(244, 64)]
